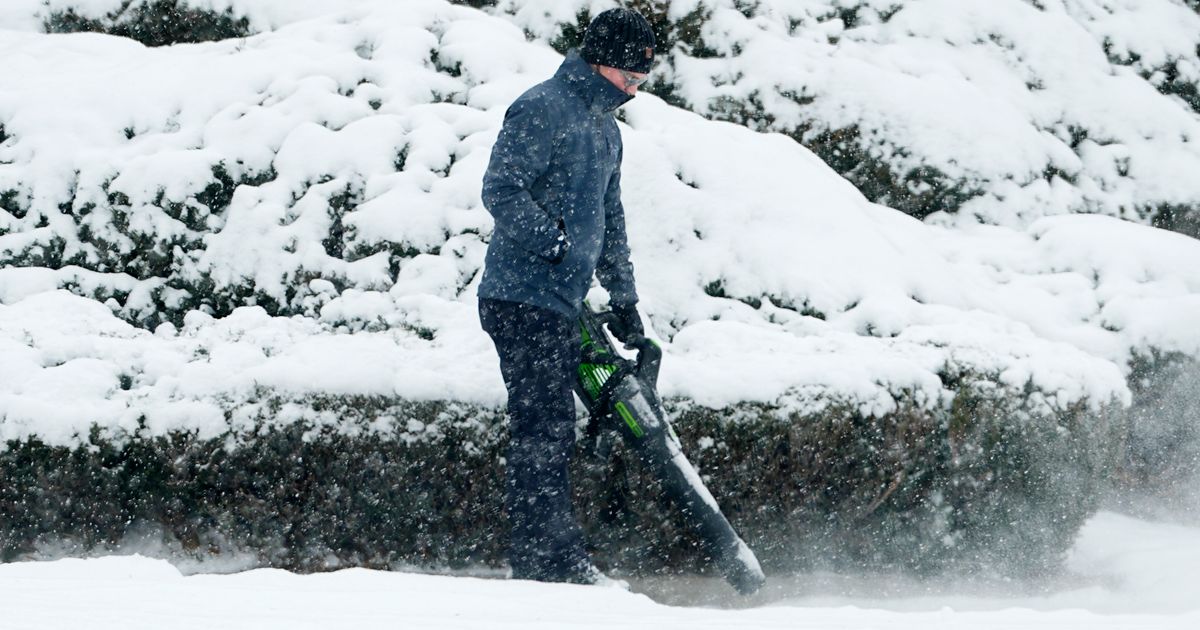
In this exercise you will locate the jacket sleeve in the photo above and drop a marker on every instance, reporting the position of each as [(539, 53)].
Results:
[(614, 269), (520, 156)]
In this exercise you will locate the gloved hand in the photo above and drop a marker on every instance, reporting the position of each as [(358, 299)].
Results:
[(628, 325), (559, 250)]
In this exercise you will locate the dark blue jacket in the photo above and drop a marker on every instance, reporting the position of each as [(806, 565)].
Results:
[(558, 156)]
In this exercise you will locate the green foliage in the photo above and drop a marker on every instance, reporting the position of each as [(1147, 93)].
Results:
[(1167, 79), (108, 238), (571, 34), (339, 205), (986, 485), (478, 4), (1184, 219), (857, 14), (9, 202), (1173, 83), (919, 192), (301, 496), (155, 23), (1163, 437)]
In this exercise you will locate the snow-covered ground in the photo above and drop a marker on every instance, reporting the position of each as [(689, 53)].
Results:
[(1122, 573)]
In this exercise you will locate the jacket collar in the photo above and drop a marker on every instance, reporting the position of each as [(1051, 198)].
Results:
[(599, 93)]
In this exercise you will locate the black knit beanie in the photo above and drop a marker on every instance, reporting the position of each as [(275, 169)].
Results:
[(619, 38)]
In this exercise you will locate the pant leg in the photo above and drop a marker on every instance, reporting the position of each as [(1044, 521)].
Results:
[(539, 354)]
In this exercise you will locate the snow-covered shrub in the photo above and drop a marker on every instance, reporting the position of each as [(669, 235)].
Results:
[(1164, 432), (985, 485), (373, 481), (991, 110), (1003, 111), (164, 231), (345, 488), (478, 4), (151, 22), (165, 22)]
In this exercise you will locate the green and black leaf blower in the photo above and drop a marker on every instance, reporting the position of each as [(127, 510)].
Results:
[(621, 395)]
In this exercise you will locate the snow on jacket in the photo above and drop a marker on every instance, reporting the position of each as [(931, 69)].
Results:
[(558, 156)]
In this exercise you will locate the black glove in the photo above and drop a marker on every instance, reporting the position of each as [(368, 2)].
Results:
[(627, 327), (559, 250)]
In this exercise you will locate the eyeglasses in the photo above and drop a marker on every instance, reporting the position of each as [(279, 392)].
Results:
[(631, 79)]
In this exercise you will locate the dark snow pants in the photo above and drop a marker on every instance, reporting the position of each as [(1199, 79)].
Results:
[(539, 354)]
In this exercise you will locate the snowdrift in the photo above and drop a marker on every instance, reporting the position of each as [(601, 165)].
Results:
[(238, 305)]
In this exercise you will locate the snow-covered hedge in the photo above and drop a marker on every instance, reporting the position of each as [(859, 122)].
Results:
[(1164, 436), (321, 482), (1000, 110), (152, 22), (209, 245), (310, 446)]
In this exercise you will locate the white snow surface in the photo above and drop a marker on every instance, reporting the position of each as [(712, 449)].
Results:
[(328, 99), (1123, 573)]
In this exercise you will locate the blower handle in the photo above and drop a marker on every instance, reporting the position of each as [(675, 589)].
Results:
[(649, 355)]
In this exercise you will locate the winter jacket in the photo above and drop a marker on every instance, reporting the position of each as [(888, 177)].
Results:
[(558, 157)]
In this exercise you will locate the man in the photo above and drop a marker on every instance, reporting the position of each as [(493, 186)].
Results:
[(554, 188)]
